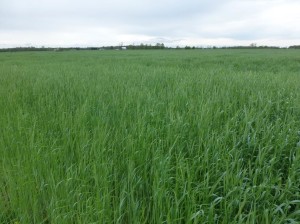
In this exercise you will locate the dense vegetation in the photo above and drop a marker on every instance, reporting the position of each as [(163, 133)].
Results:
[(150, 136), (157, 46)]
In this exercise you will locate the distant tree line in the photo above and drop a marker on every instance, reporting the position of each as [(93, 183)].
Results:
[(249, 47), (139, 47), (21, 49), (146, 46), (294, 47)]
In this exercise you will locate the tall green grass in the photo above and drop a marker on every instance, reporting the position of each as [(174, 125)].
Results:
[(204, 136)]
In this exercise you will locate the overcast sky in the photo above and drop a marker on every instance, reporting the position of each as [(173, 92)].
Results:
[(172, 22)]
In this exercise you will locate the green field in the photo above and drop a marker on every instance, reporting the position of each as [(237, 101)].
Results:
[(157, 136)]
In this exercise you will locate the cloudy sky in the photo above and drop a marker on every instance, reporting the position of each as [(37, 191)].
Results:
[(172, 22)]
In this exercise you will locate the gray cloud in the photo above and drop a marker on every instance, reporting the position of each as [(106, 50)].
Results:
[(92, 22)]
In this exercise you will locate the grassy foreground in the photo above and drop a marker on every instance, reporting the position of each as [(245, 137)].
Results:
[(203, 136)]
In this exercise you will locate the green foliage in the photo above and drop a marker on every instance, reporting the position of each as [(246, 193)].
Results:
[(206, 136), (295, 47), (146, 46)]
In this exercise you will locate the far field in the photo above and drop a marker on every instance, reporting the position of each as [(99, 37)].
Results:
[(157, 136)]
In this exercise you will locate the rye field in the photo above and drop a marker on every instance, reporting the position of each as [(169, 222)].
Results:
[(150, 136)]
